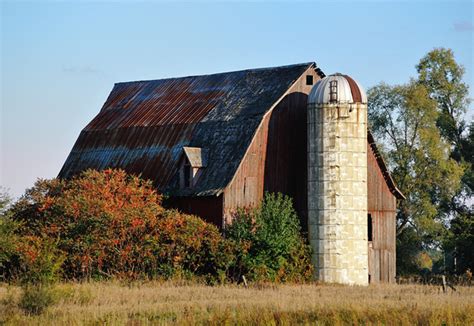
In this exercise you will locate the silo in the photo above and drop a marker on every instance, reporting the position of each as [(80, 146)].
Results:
[(337, 180)]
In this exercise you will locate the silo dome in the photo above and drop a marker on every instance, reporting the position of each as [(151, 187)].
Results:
[(337, 89)]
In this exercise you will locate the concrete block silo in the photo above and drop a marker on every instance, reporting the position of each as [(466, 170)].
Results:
[(337, 180)]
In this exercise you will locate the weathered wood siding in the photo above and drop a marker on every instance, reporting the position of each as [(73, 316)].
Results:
[(276, 159), (382, 208), (246, 188), (286, 163)]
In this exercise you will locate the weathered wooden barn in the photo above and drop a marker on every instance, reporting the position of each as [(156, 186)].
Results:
[(216, 142)]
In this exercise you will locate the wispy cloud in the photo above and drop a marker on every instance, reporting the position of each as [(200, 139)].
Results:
[(464, 26)]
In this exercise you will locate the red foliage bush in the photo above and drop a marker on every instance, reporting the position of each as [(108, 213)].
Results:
[(112, 224), (39, 261)]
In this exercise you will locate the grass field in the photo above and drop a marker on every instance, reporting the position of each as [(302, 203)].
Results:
[(112, 303)]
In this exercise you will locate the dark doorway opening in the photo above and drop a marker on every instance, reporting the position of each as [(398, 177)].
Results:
[(369, 228)]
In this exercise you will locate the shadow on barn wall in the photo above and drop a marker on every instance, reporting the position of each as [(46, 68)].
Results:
[(286, 163)]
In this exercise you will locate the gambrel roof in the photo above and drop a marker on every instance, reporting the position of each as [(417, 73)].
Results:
[(144, 125)]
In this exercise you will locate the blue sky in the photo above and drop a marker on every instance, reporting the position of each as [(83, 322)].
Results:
[(59, 60)]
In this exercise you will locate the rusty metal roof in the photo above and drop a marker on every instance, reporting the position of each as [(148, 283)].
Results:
[(144, 125)]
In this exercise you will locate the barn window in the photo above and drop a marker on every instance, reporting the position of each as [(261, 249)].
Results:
[(333, 91), (369, 227), (194, 159), (309, 80)]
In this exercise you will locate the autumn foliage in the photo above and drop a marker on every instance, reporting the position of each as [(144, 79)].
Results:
[(110, 223)]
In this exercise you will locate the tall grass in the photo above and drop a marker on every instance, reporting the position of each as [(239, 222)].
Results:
[(153, 303)]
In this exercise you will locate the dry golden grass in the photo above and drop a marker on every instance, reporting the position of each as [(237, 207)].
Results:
[(151, 303)]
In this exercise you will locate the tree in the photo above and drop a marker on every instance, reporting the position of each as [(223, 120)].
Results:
[(5, 201), (461, 239), (461, 242), (8, 239), (269, 243), (442, 76), (403, 118)]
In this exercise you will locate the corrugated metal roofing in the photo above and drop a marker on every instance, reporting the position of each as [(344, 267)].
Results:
[(144, 125)]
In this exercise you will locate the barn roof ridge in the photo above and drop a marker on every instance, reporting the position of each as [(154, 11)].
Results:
[(309, 64)]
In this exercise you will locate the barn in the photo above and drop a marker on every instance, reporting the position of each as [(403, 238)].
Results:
[(217, 142)]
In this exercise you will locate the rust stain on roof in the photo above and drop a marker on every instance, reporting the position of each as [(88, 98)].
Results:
[(355, 91), (144, 125)]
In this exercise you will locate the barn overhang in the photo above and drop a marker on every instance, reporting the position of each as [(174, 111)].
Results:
[(383, 168)]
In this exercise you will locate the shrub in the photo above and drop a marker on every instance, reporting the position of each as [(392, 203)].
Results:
[(188, 244), (40, 267), (36, 264), (36, 298), (113, 224), (269, 241), (8, 245), (424, 262), (39, 261), (8, 238), (34, 260), (101, 219)]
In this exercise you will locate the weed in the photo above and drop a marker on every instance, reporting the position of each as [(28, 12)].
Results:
[(36, 298)]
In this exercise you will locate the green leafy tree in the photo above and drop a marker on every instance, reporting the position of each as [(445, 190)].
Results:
[(5, 201), (409, 245), (270, 245), (8, 238), (403, 118), (462, 242), (442, 76)]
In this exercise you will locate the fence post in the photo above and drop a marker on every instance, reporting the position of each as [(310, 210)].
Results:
[(245, 281)]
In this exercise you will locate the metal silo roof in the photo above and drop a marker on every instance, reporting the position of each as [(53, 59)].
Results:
[(348, 90)]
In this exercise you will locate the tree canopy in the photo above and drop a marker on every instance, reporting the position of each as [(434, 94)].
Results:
[(423, 133)]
